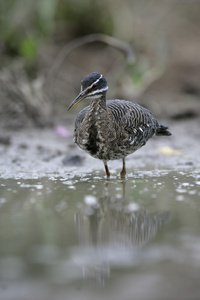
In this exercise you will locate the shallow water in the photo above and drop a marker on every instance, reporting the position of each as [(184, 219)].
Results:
[(84, 237)]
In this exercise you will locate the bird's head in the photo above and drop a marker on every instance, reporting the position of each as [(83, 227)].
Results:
[(93, 86)]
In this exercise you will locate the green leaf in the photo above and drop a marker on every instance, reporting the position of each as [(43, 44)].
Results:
[(29, 48)]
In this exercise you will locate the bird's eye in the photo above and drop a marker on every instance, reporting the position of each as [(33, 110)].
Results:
[(94, 86)]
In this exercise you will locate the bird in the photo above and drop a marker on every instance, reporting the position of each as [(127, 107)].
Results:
[(111, 129)]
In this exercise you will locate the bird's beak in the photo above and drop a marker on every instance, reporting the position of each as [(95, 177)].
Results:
[(78, 99)]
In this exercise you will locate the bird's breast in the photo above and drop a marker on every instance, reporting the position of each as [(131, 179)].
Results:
[(95, 135)]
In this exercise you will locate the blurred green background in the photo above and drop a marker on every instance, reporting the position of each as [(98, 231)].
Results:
[(45, 52)]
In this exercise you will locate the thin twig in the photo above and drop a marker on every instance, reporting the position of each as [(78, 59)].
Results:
[(122, 46)]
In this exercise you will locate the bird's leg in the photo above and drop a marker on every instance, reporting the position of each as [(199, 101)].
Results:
[(123, 171), (106, 168)]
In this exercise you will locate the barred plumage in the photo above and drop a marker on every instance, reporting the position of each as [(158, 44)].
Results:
[(111, 129)]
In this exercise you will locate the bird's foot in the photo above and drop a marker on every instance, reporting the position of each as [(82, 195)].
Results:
[(123, 174)]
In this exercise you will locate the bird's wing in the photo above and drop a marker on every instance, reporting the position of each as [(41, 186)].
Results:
[(133, 118)]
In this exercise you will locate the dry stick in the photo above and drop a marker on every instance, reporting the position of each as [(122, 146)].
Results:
[(122, 46)]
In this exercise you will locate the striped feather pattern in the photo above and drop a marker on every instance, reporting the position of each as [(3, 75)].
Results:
[(116, 132)]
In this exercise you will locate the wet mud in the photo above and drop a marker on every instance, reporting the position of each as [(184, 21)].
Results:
[(32, 152)]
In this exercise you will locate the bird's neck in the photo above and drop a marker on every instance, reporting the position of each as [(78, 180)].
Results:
[(97, 113), (98, 105), (100, 121)]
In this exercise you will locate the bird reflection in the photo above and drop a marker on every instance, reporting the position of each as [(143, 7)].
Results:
[(111, 232)]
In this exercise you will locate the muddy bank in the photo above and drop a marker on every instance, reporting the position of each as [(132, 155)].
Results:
[(43, 152)]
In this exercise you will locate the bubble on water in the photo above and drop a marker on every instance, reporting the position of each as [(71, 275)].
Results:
[(85, 179), (181, 191), (90, 200), (97, 178), (131, 207), (25, 185), (68, 182), (180, 198), (192, 192), (118, 196), (53, 178), (72, 187), (182, 173), (38, 186), (2, 200), (32, 186), (185, 184), (197, 182), (118, 188)]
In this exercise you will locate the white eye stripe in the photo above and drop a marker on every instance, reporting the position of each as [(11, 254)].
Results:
[(98, 79), (89, 87), (99, 91)]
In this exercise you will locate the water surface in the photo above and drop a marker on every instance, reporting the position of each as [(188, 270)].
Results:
[(84, 237)]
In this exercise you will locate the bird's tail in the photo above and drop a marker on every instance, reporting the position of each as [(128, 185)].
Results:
[(162, 130)]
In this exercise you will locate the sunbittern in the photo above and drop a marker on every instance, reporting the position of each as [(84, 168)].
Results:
[(111, 129)]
